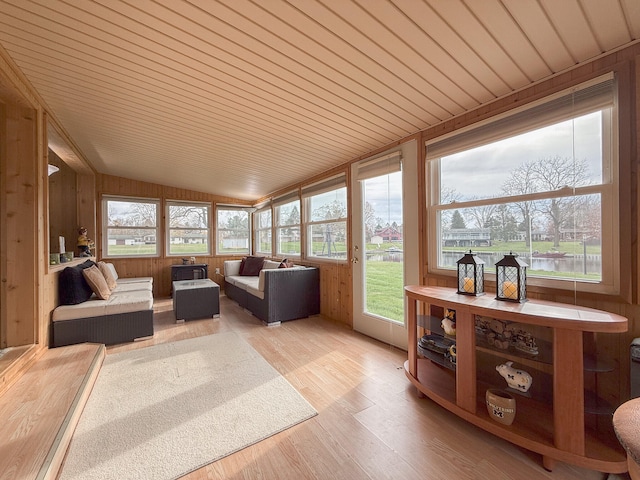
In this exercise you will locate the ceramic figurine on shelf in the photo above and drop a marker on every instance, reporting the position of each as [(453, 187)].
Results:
[(449, 322), (85, 244), (516, 379)]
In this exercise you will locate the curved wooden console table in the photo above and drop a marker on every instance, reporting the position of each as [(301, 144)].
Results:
[(555, 430)]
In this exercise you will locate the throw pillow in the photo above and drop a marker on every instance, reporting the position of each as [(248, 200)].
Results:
[(72, 287), (251, 266), (108, 275), (285, 263), (97, 282)]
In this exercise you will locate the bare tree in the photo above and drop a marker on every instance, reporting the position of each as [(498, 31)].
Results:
[(556, 173), (522, 181)]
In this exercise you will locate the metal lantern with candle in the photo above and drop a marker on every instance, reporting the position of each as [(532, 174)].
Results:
[(470, 275), (511, 279)]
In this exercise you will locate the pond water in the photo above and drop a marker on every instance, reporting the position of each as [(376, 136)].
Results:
[(567, 264)]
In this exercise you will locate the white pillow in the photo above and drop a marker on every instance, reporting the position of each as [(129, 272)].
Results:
[(112, 267)]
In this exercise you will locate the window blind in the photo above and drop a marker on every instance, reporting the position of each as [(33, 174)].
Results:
[(586, 98), (377, 167)]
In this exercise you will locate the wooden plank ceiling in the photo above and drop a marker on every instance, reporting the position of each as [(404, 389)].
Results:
[(244, 97)]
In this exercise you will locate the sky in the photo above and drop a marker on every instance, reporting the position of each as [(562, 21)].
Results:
[(482, 171)]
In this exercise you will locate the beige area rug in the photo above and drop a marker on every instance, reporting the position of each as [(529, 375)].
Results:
[(163, 411)]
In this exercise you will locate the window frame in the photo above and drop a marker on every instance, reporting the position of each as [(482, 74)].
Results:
[(278, 204), (239, 208), (105, 224), (258, 229), (168, 228), (607, 189), (332, 184)]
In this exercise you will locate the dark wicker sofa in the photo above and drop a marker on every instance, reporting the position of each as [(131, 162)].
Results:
[(276, 294), (81, 317)]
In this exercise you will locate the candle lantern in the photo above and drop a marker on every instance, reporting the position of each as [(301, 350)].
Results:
[(511, 279), (470, 275)]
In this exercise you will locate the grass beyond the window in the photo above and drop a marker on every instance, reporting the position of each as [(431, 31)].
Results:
[(384, 289)]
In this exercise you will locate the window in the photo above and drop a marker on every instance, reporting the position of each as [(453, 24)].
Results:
[(188, 228), (234, 233), (130, 227), (287, 213), (326, 218), (262, 219), (540, 182)]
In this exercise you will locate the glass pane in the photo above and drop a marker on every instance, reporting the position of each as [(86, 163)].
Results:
[(263, 219), (232, 241), (193, 216), (383, 268), (328, 206), (131, 214), (328, 240), (264, 241), (131, 241), (289, 214), (565, 154), (558, 237), (233, 231), (188, 242), (289, 241)]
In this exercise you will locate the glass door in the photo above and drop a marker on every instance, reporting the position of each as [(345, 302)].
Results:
[(378, 249)]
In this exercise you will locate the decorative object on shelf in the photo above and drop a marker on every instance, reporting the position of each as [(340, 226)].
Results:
[(451, 354), (435, 343), (499, 336), (84, 243), (54, 258), (438, 349), (523, 340), (511, 279), (193, 260), (517, 379), (470, 275), (68, 256), (449, 322), (501, 406)]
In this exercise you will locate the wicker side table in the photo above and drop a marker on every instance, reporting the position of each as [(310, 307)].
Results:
[(194, 299)]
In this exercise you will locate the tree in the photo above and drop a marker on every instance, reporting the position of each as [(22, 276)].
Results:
[(457, 221), (503, 224), (522, 182), (482, 215), (369, 221), (556, 173)]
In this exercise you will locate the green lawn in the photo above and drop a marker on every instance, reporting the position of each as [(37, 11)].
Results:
[(385, 293)]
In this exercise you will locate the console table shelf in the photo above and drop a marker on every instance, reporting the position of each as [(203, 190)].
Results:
[(555, 429)]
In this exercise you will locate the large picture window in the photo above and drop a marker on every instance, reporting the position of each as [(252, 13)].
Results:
[(287, 216), (234, 231), (540, 182), (326, 218), (130, 227), (188, 228)]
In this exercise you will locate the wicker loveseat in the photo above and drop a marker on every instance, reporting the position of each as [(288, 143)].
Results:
[(81, 317), (274, 294)]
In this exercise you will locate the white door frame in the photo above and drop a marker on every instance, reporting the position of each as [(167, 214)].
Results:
[(379, 328)]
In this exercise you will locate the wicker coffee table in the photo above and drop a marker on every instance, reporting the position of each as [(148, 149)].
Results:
[(194, 299)]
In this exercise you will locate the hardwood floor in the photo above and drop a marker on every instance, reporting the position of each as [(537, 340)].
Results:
[(371, 423)]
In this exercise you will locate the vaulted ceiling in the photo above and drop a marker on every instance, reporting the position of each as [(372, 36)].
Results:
[(244, 97)]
